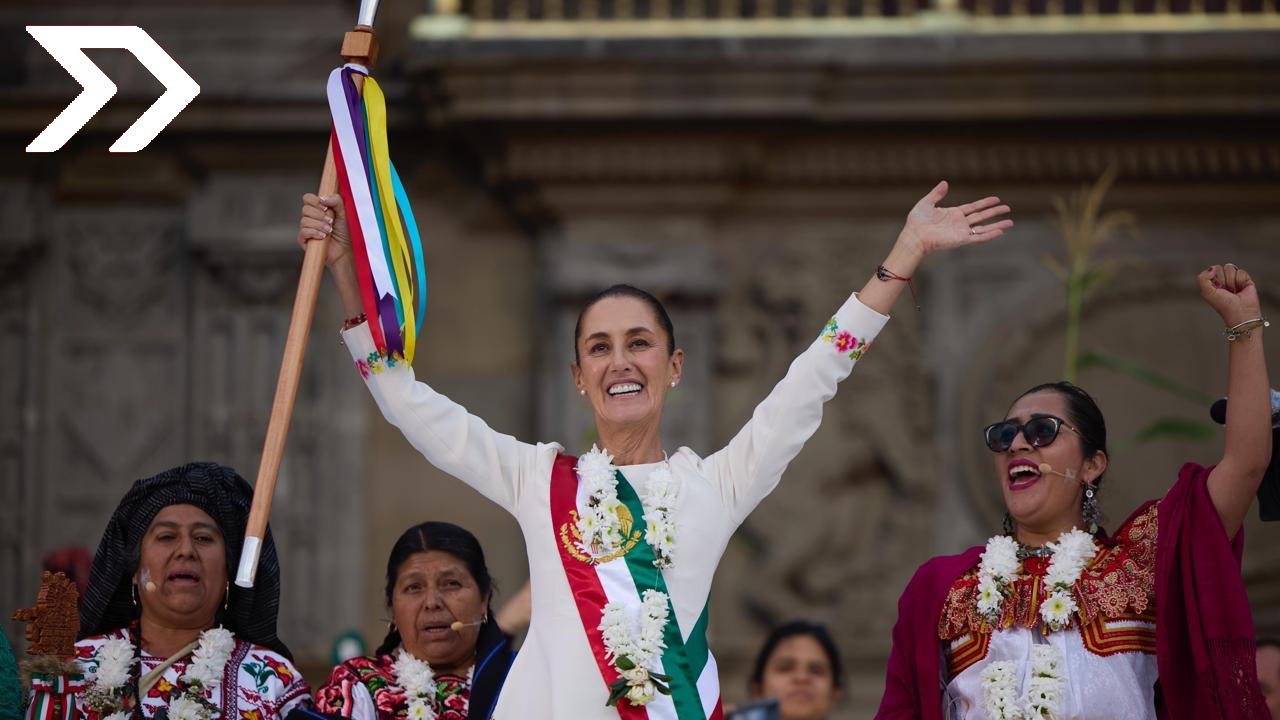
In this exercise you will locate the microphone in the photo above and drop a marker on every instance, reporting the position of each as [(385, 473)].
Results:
[(146, 580), (1218, 411), (1047, 469), (458, 625)]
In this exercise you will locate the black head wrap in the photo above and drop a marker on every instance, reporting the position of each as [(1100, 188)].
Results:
[(225, 496)]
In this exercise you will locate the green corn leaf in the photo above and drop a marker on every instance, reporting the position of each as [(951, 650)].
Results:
[(1142, 373)]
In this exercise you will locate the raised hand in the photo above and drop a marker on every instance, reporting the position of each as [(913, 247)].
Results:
[(1231, 293), (323, 217), (931, 228)]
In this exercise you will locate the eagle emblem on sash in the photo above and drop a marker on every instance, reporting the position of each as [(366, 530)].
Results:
[(570, 537)]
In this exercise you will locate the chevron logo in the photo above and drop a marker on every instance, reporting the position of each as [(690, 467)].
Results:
[(65, 42)]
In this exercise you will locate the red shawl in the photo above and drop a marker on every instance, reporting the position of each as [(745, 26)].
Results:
[(1204, 627)]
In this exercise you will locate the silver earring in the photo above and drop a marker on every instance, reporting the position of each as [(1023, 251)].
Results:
[(582, 392), (1089, 510), (673, 383)]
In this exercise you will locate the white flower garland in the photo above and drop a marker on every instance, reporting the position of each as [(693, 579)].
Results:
[(419, 683), (634, 646), (105, 694), (999, 566), (1042, 699), (599, 529)]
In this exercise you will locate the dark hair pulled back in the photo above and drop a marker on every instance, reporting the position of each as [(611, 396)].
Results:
[(621, 290), (792, 629), (1084, 415), (442, 536)]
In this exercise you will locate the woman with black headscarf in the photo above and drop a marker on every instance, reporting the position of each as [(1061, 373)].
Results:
[(444, 658), (164, 634)]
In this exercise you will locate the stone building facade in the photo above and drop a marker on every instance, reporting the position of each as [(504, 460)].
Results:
[(750, 163)]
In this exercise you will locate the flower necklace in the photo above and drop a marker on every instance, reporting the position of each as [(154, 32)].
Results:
[(107, 692), (599, 526), (1043, 696), (419, 683), (1067, 560), (634, 646)]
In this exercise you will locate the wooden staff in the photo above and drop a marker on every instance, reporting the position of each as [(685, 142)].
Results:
[(359, 46)]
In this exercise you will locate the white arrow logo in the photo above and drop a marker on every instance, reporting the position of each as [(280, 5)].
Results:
[(64, 42)]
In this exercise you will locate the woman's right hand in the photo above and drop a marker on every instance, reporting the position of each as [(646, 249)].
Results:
[(323, 216)]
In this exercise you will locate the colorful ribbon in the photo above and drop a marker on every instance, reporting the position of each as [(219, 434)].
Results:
[(390, 263), (53, 697)]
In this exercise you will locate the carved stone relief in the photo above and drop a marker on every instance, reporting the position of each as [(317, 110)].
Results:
[(839, 537), (116, 364), (21, 267), (248, 268)]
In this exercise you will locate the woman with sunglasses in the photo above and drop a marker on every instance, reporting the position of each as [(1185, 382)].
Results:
[(1056, 618)]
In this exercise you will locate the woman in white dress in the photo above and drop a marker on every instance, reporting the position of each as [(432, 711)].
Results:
[(623, 542)]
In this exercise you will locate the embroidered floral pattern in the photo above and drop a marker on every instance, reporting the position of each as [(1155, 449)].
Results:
[(1114, 598), (845, 343), (377, 675), (375, 362), (232, 695)]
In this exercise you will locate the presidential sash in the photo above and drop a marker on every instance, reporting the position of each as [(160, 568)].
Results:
[(623, 578)]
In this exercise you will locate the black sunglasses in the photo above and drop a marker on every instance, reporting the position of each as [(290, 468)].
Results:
[(1039, 431)]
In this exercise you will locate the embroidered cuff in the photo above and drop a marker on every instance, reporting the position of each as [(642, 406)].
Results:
[(369, 360), (853, 328)]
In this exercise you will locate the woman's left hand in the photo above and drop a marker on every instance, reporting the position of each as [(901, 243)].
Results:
[(931, 228), (1231, 293)]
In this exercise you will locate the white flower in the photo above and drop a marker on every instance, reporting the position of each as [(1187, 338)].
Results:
[(1071, 553), (1000, 558), (1056, 610), (115, 658), (990, 597), (999, 694), (204, 675), (636, 633), (1045, 688), (209, 659), (418, 710), (595, 462), (642, 693), (183, 707), (415, 676), (117, 716)]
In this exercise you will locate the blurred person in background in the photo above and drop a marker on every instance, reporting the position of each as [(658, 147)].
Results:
[(800, 667)]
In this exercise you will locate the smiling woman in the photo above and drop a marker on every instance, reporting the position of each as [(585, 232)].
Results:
[(165, 633), (623, 542)]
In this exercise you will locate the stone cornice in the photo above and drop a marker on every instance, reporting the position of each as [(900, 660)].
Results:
[(830, 159)]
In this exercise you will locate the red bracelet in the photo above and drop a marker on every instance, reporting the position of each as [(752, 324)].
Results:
[(885, 275)]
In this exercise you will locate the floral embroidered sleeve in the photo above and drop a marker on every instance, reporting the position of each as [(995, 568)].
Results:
[(274, 682), (349, 692), (750, 466)]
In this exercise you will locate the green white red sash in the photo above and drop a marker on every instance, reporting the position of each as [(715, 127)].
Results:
[(695, 686)]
